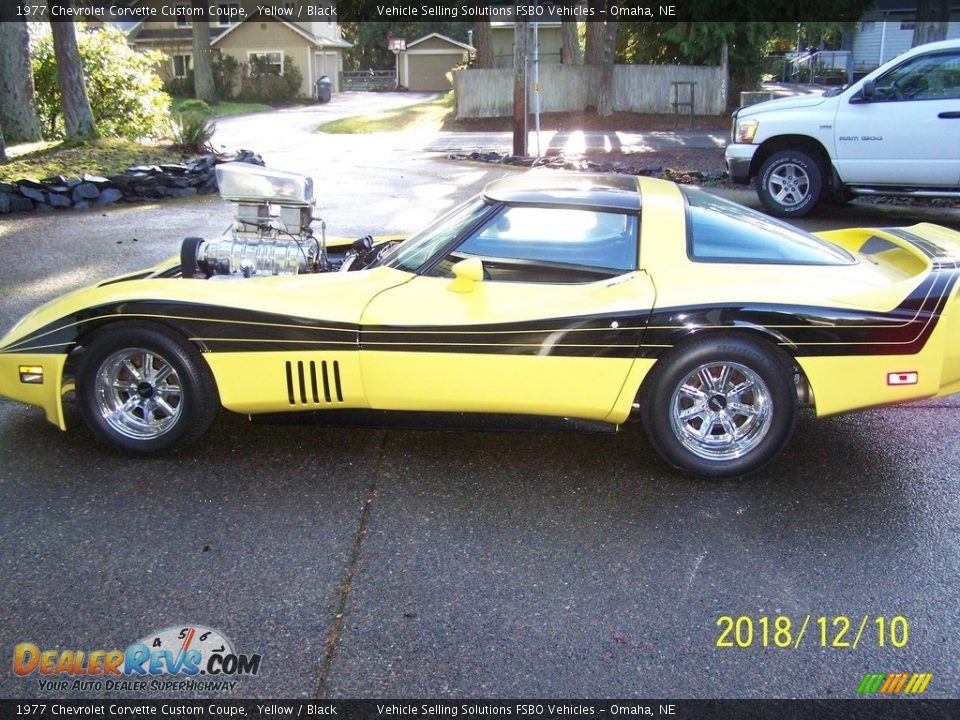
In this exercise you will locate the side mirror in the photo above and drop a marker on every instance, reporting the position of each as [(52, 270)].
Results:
[(869, 90), (466, 274)]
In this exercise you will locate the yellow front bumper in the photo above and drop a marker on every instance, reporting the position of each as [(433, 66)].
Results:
[(35, 379)]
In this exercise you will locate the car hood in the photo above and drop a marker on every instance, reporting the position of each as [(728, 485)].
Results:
[(790, 103), (334, 296)]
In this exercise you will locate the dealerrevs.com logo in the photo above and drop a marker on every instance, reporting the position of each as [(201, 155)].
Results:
[(179, 658)]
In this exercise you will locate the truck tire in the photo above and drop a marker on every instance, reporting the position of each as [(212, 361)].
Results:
[(790, 183)]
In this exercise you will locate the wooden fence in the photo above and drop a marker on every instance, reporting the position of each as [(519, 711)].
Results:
[(569, 88)]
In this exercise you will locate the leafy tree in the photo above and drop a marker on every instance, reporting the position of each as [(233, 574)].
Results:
[(126, 94), (18, 113)]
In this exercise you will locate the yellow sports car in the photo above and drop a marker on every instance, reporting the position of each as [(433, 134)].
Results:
[(595, 297)]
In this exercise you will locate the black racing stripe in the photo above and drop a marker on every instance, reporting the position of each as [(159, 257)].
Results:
[(607, 335), (815, 331), (927, 247), (805, 330), (217, 328)]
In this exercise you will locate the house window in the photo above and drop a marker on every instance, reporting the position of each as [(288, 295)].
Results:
[(228, 14), (265, 62), (181, 65)]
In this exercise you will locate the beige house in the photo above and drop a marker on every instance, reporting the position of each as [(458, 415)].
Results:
[(426, 63), (315, 47)]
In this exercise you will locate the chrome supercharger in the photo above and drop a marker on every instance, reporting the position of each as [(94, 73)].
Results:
[(272, 232)]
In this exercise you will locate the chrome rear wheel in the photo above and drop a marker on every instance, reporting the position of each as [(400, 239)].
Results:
[(720, 406), (721, 411)]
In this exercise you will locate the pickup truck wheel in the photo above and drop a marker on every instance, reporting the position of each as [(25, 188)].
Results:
[(790, 183)]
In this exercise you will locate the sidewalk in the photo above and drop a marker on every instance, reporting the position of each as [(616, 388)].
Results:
[(576, 142)]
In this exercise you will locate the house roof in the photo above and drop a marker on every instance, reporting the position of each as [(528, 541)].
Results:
[(141, 32), (451, 41), (305, 34)]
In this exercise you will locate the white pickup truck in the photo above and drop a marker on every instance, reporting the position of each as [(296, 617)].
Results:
[(895, 132)]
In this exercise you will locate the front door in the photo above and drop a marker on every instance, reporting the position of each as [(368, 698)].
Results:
[(537, 311), (909, 132)]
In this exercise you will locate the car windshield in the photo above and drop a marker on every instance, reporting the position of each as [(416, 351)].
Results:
[(419, 248)]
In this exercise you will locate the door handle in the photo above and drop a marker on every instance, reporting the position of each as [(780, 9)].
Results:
[(951, 115)]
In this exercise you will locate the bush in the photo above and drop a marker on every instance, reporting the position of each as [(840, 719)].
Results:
[(261, 83), (125, 92), (224, 75), (180, 87), (192, 126), (198, 107)]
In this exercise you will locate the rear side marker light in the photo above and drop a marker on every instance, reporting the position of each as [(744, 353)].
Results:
[(31, 374), (903, 378)]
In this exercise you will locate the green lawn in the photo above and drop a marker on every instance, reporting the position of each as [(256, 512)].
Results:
[(425, 116), (224, 107), (102, 157)]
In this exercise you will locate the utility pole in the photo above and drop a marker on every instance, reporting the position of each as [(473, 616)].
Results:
[(519, 87)]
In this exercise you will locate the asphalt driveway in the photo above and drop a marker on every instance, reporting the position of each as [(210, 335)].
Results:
[(371, 562)]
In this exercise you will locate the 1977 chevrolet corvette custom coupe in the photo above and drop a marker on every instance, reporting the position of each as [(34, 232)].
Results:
[(581, 296)]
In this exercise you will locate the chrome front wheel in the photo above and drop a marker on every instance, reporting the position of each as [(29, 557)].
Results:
[(144, 389), (139, 393)]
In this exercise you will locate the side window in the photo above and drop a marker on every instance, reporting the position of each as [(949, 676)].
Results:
[(721, 231), (930, 77), (560, 245)]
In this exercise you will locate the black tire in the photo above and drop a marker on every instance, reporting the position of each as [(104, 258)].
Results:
[(790, 183), (165, 407), (728, 429)]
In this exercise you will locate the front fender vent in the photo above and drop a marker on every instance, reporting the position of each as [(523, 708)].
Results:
[(307, 386)]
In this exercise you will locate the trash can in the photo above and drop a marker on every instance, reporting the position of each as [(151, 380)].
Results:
[(323, 89)]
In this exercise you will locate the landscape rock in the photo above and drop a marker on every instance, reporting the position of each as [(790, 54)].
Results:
[(197, 175), (57, 200), (85, 191), (18, 203), (109, 195), (31, 192)]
